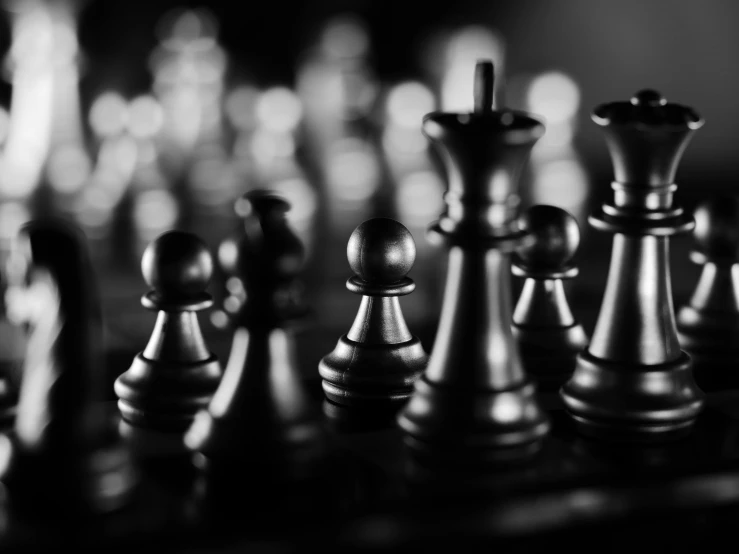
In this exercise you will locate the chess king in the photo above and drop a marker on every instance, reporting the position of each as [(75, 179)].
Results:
[(475, 403), (633, 381)]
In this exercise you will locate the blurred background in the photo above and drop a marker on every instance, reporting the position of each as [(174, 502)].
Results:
[(134, 118)]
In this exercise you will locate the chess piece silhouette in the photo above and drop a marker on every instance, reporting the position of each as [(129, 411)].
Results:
[(65, 451), (261, 432), (549, 336), (372, 370), (475, 403), (708, 325), (176, 374), (633, 382)]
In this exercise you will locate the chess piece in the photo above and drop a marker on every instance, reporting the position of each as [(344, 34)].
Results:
[(261, 429), (475, 402), (549, 337), (65, 458), (708, 326), (175, 375), (633, 381), (374, 366)]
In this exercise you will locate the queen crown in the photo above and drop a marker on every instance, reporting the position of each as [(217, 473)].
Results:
[(646, 137)]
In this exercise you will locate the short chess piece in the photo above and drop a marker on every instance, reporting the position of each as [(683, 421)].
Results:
[(474, 404), (176, 375), (262, 429), (64, 460), (371, 372), (634, 382), (708, 325), (548, 334)]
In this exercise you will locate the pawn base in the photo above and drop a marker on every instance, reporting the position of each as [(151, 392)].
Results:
[(151, 443), (607, 430), (549, 354), (369, 376), (613, 401), (155, 394), (438, 457), (352, 419), (708, 336), (366, 400), (450, 423)]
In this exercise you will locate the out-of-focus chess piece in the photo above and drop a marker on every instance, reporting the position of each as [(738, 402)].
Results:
[(65, 460), (372, 370), (176, 375), (261, 431), (708, 324), (633, 382), (548, 334), (475, 403)]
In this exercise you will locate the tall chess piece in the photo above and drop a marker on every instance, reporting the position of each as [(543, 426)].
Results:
[(176, 374), (261, 430), (708, 326), (548, 335), (474, 401), (372, 370), (634, 381), (65, 459)]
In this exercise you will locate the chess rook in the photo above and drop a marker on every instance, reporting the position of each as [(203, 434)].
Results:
[(261, 425), (708, 326), (374, 366), (176, 374), (474, 402), (634, 381), (549, 337)]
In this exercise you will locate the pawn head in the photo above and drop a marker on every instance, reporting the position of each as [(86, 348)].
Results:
[(556, 236), (717, 228), (381, 251), (177, 264)]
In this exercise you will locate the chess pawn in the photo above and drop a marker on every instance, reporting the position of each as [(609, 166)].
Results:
[(261, 430), (475, 403), (64, 459), (633, 382), (549, 337), (708, 325), (176, 374), (374, 366)]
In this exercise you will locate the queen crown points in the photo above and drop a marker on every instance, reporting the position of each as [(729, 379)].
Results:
[(648, 108), (646, 137)]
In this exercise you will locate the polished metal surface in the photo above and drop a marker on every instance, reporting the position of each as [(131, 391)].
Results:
[(634, 382), (474, 401), (371, 372)]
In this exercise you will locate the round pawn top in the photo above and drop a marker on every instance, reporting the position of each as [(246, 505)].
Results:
[(556, 236), (648, 97), (717, 229), (381, 251), (177, 264)]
